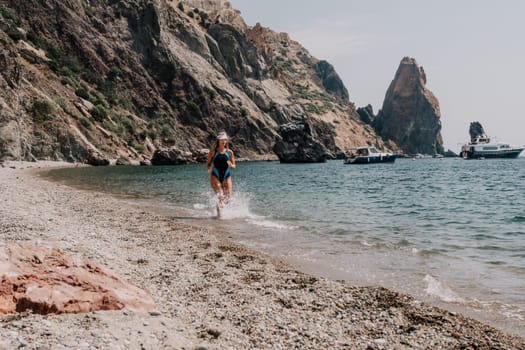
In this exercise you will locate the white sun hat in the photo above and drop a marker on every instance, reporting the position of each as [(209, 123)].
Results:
[(222, 136)]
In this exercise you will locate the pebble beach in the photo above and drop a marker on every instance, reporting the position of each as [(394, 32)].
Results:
[(209, 292)]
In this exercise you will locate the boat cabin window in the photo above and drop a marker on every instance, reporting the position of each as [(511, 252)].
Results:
[(362, 152), (373, 150), (490, 148)]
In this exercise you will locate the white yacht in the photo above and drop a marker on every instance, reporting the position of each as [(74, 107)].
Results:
[(483, 147)]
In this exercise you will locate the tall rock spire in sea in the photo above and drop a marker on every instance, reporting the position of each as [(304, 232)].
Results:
[(410, 115)]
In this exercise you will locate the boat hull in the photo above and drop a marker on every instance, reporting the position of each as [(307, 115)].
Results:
[(513, 153), (388, 158)]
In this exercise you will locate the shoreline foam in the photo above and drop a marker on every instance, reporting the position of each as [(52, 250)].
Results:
[(210, 292)]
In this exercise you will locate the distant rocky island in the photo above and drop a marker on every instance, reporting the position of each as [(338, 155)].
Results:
[(131, 82)]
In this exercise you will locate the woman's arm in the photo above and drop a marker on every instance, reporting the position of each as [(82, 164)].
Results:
[(210, 159), (231, 162)]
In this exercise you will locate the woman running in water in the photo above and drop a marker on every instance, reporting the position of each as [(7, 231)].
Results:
[(220, 163)]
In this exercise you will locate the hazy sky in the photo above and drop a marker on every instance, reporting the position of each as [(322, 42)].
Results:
[(473, 53)]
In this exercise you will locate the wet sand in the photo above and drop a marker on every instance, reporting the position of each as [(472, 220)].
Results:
[(210, 292)]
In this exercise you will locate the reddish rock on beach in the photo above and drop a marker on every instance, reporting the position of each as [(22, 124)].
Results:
[(46, 280)]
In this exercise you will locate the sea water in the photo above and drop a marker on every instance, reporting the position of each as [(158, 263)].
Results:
[(449, 232)]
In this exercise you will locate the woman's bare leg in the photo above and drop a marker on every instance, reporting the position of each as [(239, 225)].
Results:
[(227, 187), (219, 192), (216, 185)]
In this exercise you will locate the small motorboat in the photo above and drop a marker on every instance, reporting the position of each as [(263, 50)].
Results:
[(368, 155)]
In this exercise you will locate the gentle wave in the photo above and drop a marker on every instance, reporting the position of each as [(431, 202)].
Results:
[(518, 218), (442, 291), (508, 311), (271, 224)]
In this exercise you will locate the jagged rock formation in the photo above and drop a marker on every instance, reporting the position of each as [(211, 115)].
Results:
[(47, 281), (410, 115), (367, 114), (475, 130), (331, 81), (123, 79), (298, 144)]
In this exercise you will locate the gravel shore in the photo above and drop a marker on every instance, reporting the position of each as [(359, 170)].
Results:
[(210, 293)]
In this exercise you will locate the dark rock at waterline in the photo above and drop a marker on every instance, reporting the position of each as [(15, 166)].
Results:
[(450, 154), (96, 159), (340, 155), (297, 144), (123, 161), (171, 156), (201, 156)]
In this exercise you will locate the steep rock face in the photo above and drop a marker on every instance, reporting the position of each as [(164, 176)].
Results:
[(123, 79), (410, 115), (331, 80)]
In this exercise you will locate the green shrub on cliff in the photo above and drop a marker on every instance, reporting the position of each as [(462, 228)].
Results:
[(139, 148), (312, 108), (128, 124), (15, 34), (85, 123), (152, 134), (71, 81), (114, 72), (193, 107), (107, 89), (111, 125), (35, 39), (42, 109), (82, 92), (70, 62), (99, 112), (9, 16), (90, 76), (90, 12), (165, 132)]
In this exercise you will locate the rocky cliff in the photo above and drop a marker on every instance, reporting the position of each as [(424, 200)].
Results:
[(410, 115), (120, 79)]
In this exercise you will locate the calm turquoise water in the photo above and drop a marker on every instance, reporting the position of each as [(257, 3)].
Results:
[(450, 232)]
